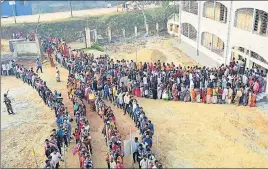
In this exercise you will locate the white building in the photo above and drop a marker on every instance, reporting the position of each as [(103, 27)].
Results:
[(173, 24), (223, 30)]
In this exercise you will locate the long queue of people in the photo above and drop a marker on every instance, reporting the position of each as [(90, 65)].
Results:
[(76, 88), (90, 80), (60, 138), (227, 84)]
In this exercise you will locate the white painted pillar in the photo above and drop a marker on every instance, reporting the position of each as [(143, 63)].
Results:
[(109, 34), (38, 46), (253, 20), (136, 31), (157, 28), (228, 48), (88, 38), (147, 29), (266, 89), (198, 39), (124, 32), (180, 24), (95, 35), (214, 12)]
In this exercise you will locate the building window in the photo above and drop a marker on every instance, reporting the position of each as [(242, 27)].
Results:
[(213, 43), (260, 22), (189, 31), (215, 11), (190, 6), (243, 18)]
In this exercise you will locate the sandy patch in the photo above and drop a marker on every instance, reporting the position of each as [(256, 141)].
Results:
[(200, 135), (25, 131)]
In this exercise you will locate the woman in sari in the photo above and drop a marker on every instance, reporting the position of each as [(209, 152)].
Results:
[(159, 91), (229, 96), (252, 102), (203, 93), (193, 94), (175, 92), (209, 94), (197, 92), (214, 95), (138, 91), (165, 95), (245, 96), (256, 87)]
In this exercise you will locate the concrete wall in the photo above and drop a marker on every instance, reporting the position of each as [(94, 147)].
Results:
[(25, 49), (227, 32)]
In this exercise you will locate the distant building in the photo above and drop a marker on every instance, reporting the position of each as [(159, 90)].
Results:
[(173, 24), (21, 8)]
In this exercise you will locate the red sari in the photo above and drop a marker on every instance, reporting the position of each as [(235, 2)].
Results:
[(204, 96), (138, 92)]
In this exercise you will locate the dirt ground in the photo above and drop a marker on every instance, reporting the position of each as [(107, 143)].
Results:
[(151, 49)]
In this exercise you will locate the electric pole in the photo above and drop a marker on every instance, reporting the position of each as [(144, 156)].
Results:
[(71, 8)]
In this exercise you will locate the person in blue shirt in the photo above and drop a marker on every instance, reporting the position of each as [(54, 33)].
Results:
[(59, 120), (38, 65), (135, 154), (151, 126), (148, 140), (60, 134)]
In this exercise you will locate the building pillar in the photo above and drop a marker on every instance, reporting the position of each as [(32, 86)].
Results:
[(38, 46), (198, 28), (253, 20), (95, 35), (266, 89), (136, 31), (180, 25), (88, 38), (147, 29), (110, 34), (157, 28), (124, 32)]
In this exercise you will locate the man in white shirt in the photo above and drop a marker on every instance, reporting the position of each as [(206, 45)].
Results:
[(56, 157), (126, 101), (4, 69), (144, 162)]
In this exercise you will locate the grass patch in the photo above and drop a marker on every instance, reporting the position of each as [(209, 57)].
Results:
[(95, 46)]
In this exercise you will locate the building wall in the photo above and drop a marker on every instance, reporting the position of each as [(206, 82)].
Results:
[(229, 34), (25, 49), (21, 8)]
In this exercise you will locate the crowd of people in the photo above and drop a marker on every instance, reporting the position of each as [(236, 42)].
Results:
[(227, 84), (60, 137), (89, 79)]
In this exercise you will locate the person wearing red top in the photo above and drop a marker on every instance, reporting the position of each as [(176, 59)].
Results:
[(76, 135), (82, 160), (119, 165)]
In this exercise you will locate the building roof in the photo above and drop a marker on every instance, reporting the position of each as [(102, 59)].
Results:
[(172, 16)]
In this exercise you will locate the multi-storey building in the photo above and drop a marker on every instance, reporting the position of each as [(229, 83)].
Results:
[(224, 30)]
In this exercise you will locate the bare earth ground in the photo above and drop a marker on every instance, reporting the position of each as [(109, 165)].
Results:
[(25, 131), (189, 134)]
